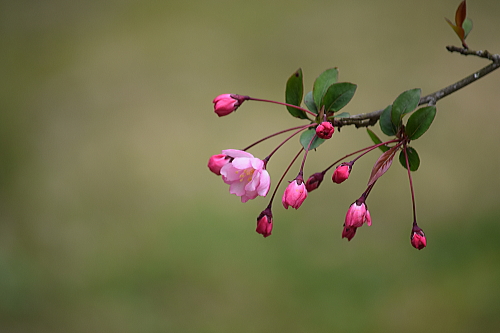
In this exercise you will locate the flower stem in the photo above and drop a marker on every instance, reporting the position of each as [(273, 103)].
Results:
[(301, 128), (281, 103), (411, 183), (277, 133), (370, 148), (283, 176), (301, 172)]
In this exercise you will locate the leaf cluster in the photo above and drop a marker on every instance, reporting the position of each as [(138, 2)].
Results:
[(391, 124), (325, 100)]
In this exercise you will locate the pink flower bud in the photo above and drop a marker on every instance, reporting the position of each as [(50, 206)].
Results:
[(341, 173), (348, 232), (357, 215), (325, 130), (216, 162), (314, 181), (265, 222), (295, 194), (417, 238), (227, 103)]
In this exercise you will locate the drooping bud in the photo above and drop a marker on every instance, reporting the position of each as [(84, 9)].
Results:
[(227, 103), (325, 130), (265, 222), (295, 193), (348, 232), (314, 181), (417, 237), (216, 162), (356, 216), (342, 172)]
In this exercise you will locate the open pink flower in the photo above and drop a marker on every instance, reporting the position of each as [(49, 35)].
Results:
[(245, 174), (295, 194)]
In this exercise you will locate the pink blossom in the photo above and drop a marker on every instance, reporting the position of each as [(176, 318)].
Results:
[(227, 103), (418, 239), (314, 181), (265, 223), (295, 194), (216, 162), (341, 173), (357, 215), (245, 174), (325, 130)]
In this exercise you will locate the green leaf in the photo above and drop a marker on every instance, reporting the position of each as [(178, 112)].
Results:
[(376, 140), (338, 95), (342, 115), (293, 94), (309, 102), (467, 26), (386, 123), (404, 103), (306, 137), (420, 121), (322, 83), (413, 159)]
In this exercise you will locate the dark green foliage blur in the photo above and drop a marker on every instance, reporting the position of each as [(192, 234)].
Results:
[(110, 220)]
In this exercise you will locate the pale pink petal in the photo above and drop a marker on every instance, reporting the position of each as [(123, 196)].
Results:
[(237, 188), (242, 163), (229, 173), (265, 183), (236, 153), (257, 164)]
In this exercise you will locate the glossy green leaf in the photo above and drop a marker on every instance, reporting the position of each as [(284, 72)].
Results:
[(413, 159), (420, 121), (386, 123), (294, 92), (309, 102), (404, 103), (322, 83), (306, 137), (376, 140), (342, 115), (467, 26), (338, 95)]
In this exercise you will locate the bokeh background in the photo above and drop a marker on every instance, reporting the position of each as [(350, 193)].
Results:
[(111, 222)]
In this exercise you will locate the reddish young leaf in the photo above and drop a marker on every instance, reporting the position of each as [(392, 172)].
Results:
[(458, 30), (383, 164), (461, 14)]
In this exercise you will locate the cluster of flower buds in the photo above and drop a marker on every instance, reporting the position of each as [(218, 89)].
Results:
[(248, 177)]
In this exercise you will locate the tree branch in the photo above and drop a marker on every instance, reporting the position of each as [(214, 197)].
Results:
[(370, 119)]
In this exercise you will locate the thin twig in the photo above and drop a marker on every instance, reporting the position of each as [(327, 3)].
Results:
[(370, 119)]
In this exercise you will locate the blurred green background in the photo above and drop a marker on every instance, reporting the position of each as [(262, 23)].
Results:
[(111, 221)]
